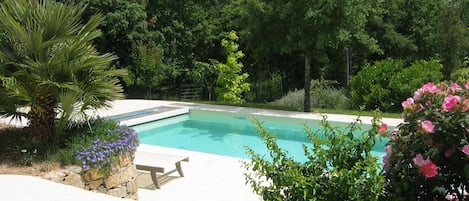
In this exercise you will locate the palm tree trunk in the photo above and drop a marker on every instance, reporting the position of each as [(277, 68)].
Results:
[(42, 120)]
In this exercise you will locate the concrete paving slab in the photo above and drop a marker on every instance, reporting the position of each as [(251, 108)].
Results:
[(207, 177), (29, 188)]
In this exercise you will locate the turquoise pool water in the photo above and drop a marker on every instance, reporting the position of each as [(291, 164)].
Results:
[(227, 134)]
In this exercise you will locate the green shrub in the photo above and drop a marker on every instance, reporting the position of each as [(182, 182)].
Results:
[(460, 76), (385, 84), (340, 167), (265, 89), (428, 154), (293, 99), (323, 95), (96, 144)]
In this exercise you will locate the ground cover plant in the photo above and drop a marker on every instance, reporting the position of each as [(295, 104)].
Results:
[(96, 144), (93, 144)]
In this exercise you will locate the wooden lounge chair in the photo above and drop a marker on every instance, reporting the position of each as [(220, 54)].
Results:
[(159, 163)]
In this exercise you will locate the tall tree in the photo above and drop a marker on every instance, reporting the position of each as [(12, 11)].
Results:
[(231, 81), (48, 63), (452, 36), (191, 31), (125, 23), (307, 28)]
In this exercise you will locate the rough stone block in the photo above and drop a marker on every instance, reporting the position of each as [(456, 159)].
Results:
[(132, 186), (118, 192), (133, 196), (101, 189), (96, 184), (93, 174), (126, 159), (56, 176), (119, 178), (74, 179), (74, 169)]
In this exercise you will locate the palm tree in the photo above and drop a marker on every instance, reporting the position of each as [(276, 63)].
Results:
[(49, 65)]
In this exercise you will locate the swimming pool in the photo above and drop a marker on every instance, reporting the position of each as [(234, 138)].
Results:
[(226, 133)]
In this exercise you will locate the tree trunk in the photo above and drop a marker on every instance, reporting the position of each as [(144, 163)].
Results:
[(307, 86), (42, 120)]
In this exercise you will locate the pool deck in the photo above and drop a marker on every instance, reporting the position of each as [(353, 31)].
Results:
[(208, 177)]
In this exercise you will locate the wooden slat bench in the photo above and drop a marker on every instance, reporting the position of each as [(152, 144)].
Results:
[(159, 163)]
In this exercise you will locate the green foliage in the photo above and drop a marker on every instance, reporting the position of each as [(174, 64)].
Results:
[(48, 63), (231, 83), (307, 28), (323, 95), (205, 74), (452, 36), (190, 31), (83, 135), (95, 144), (428, 154), (410, 78), (293, 99), (147, 66), (340, 166), (125, 22), (384, 84), (266, 88), (460, 76)]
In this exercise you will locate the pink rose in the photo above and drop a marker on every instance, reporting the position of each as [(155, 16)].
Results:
[(454, 87), (467, 85), (465, 149), (417, 95), (429, 87), (382, 128), (387, 158), (428, 126), (421, 107), (418, 160), (426, 88), (407, 103), (427, 167), (429, 170), (450, 102)]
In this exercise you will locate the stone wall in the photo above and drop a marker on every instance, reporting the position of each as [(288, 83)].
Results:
[(122, 182)]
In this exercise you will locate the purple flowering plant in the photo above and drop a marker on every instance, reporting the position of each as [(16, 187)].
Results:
[(428, 154), (105, 151)]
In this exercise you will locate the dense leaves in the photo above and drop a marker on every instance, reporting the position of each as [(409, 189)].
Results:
[(48, 64), (427, 155), (231, 81), (340, 166), (284, 40), (384, 84)]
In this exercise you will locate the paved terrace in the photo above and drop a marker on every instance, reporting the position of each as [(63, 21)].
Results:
[(208, 177)]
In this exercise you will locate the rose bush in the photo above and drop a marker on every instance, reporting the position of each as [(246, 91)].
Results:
[(428, 154)]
